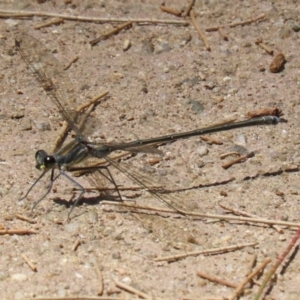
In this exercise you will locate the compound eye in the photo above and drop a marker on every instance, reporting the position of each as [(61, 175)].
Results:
[(44, 161)]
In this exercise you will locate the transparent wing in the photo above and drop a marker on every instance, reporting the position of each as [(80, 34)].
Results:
[(51, 76)]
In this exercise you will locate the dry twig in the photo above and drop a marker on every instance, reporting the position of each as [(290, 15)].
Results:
[(100, 278), (50, 22), (76, 245), (198, 28), (29, 263), (217, 280), (222, 33), (111, 32), (231, 25), (22, 14), (237, 160), (131, 290), (24, 218), (200, 215), (205, 252), (170, 10), (246, 214), (18, 231), (260, 43), (189, 8), (74, 59), (241, 286), (210, 140)]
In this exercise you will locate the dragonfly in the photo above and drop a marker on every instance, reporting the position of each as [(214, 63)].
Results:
[(75, 154)]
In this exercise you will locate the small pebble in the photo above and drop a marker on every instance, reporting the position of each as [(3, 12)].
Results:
[(127, 280), (202, 150), (116, 255), (241, 140), (126, 45)]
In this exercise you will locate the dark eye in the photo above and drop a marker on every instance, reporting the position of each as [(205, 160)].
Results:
[(44, 161)]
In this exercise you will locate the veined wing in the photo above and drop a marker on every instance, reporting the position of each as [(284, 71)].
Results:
[(50, 75)]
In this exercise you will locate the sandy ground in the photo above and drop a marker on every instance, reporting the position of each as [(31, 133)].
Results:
[(166, 82)]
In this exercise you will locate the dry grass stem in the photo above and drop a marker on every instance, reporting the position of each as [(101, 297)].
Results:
[(217, 280), (76, 245), (260, 43), (210, 140), (54, 21), (246, 214), (200, 215), (111, 32), (170, 10), (18, 231), (100, 278), (29, 263), (22, 14), (71, 62), (241, 286), (198, 28), (269, 111), (24, 218), (223, 33), (205, 252), (249, 21), (131, 290), (238, 160), (251, 264), (189, 8), (78, 298)]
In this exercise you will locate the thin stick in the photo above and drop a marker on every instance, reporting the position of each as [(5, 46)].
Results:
[(100, 278), (18, 231), (93, 101), (189, 8), (111, 32), (222, 33), (170, 10), (29, 263), (269, 111), (74, 59), (241, 286), (210, 140), (50, 22), (246, 214), (238, 160), (277, 264), (76, 245), (249, 21), (198, 28), (259, 42), (18, 14), (76, 298), (206, 252), (251, 264), (209, 216), (217, 280), (131, 289), (24, 218)]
